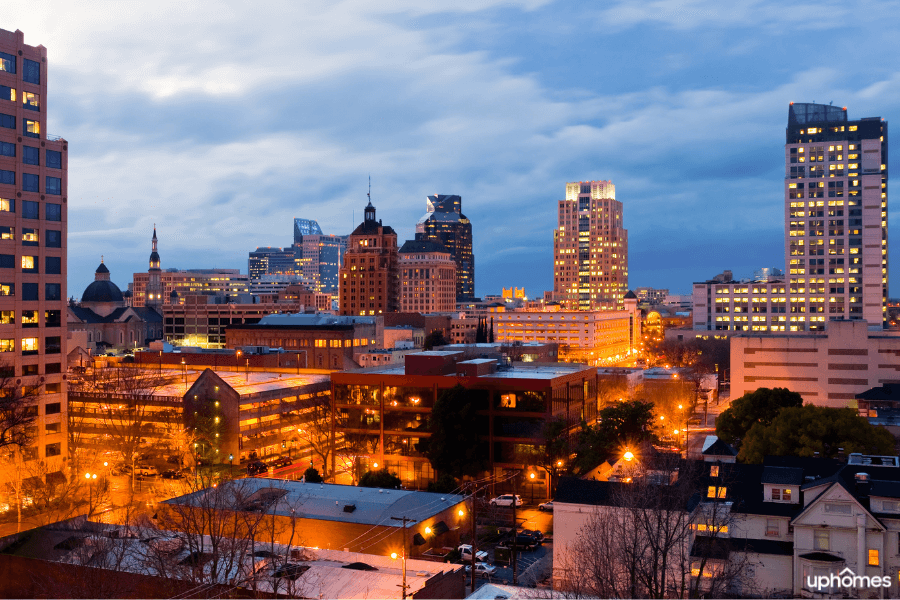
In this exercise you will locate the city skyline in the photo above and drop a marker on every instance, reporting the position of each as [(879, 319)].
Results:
[(681, 105)]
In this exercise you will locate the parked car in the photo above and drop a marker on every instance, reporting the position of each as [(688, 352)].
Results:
[(525, 541), (172, 474), (146, 471), (546, 506), (465, 552), (507, 500), (536, 534), (283, 461), (481, 568), (256, 467)]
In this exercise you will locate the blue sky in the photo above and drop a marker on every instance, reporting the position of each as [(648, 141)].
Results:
[(220, 122)]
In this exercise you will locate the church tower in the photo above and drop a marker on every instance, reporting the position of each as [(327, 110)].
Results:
[(154, 284)]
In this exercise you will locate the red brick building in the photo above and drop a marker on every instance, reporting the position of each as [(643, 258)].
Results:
[(368, 278)]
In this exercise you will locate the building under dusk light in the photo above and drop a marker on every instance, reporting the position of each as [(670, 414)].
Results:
[(590, 248), (33, 217)]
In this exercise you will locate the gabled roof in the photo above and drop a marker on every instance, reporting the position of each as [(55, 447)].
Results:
[(717, 448), (782, 475)]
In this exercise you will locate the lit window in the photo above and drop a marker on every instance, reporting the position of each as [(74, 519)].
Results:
[(7, 345), (28, 264), (31, 101), (715, 492), (30, 345), (873, 557), (7, 62), (31, 128), (714, 471), (821, 540)]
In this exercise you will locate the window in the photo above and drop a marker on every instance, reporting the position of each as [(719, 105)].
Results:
[(52, 291), (53, 212), (773, 527), (30, 346), (7, 121), (7, 62), (30, 236), (30, 210), (714, 471), (30, 370), (7, 345), (786, 494), (7, 149), (53, 368), (31, 71), (53, 265), (31, 128), (7, 261), (7, 93), (7, 317), (8, 177), (874, 558), (51, 428), (30, 318), (7, 232), (53, 238), (7, 289), (821, 540), (838, 508), (7, 205), (52, 344), (30, 182), (776, 494), (31, 156), (54, 159), (54, 186), (715, 491), (31, 101), (30, 292), (29, 264), (52, 318), (52, 450)]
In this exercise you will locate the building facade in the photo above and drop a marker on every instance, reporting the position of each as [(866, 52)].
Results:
[(827, 370), (319, 258), (427, 278), (445, 224), (835, 222), (590, 248), (229, 282), (382, 413), (369, 282), (33, 229)]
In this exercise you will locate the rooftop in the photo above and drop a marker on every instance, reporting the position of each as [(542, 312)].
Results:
[(244, 383), (329, 502)]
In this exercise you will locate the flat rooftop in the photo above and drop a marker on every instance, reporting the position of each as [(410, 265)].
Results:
[(327, 501), (517, 371), (251, 382)]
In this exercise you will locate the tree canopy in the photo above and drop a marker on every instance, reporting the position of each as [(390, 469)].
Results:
[(380, 479), (805, 430), (435, 338), (453, 447), (760, 406), (620, 425)]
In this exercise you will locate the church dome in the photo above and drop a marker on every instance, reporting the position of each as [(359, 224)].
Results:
[(102, 291)]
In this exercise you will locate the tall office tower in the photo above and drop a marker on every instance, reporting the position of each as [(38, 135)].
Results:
[(154, 276), (835, 214), (305, 227), (369, 284), (318, 258), (33, 184), (427, 278), (445, 224), (590, 248)]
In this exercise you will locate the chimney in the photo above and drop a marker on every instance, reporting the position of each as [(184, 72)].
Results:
[(862, 485)]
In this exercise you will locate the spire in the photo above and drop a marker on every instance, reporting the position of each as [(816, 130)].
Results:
[(154, 254), (370, 210)]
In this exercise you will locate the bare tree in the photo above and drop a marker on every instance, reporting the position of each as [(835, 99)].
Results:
[(311, 418)]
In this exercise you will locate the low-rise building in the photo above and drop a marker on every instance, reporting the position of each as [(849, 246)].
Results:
[(386, 409), (827, 370)]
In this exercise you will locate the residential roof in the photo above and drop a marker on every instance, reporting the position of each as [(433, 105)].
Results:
[(782, 475), (713, 446), (328, 501)]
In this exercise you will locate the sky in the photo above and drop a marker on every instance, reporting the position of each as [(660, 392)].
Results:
[(221, 122)]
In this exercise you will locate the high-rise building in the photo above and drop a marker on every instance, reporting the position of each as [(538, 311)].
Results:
[(835, 243), (590, 248), (318, 258), (268, 260), (445, 224), (369, 283), (304, 227), (33, 190), (427, 278)]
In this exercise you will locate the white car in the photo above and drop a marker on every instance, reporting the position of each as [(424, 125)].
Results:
[(546, 506), (465, 551), (507, 500), (481, 569), (146, 471)]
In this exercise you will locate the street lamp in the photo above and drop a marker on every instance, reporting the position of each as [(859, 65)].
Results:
[(184, 373), (402, 556), (531, 476), (90, 477)]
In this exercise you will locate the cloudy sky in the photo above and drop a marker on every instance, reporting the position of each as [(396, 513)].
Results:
[(220, 122)]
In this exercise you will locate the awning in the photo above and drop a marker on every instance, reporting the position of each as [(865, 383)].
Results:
[(439, 528)]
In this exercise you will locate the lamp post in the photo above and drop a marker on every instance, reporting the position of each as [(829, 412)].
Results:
[(531, 476), (184, 373), (90, 477)]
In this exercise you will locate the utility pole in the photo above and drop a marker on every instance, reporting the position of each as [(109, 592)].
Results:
[(515, 544), (474, 535), (405, 521)]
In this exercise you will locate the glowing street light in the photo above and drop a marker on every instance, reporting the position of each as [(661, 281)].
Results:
[(628, 456)]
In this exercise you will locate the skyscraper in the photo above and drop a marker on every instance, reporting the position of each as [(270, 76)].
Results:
[(368, 277), (835, 212), (445, 224), (835, 233), (427, 278), (305, 227), (33, 190), (590, 248)]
